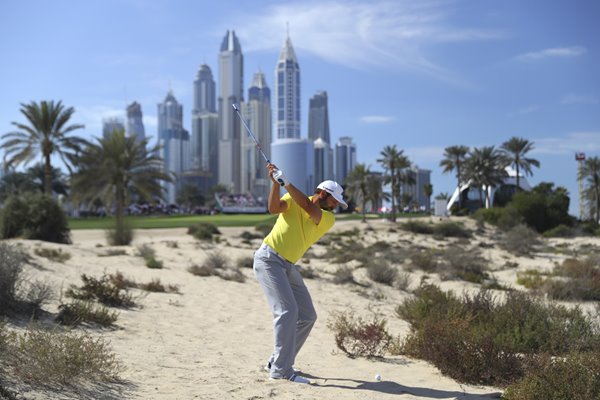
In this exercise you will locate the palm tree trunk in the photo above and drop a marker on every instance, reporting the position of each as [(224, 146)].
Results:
[(119, 197), (364, 210), (47, 175)]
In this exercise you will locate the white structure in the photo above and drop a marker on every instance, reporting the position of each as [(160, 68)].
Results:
[(287, 93), (135, 124), (174, 141), (471, 194), (257, 112), (231, 86), (323, 161), (345, 158), (295, 158)]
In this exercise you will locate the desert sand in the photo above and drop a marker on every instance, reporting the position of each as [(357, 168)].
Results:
[(211, 340)]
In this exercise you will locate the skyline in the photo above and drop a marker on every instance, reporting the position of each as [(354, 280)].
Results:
[(421, 75)]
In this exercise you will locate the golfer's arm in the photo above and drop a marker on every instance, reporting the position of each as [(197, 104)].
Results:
[(300, 198), (275, 205)]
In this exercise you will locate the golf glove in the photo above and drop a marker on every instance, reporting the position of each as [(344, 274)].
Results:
[(280, 178)]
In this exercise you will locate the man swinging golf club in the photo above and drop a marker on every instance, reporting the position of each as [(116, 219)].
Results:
[(302, 221)]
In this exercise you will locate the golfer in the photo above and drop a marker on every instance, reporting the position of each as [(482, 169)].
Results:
[(302, 221)]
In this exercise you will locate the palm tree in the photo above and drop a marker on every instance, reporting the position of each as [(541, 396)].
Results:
[(428, 191), (516, 149), (393, 160), (591, 171), (454, 159), (114, 166), (485, 167), (357, 186), (376, 192), (46, 133), (58, 181)]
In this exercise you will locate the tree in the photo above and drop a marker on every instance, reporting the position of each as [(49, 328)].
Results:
[(590, 172), (485, 167), (16, 183), (393, 160), (357, 186), (515, 150), (454, 160), (46, 134), (112, 167), (428, 191), (190, 196), (58, 180), (376, 192)]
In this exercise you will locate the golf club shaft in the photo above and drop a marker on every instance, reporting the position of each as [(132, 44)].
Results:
[(237, 110)]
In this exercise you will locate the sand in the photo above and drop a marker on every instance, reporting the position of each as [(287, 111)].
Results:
[(211, 340)]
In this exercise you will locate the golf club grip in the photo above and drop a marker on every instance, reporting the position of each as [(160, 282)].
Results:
[(277, 175)]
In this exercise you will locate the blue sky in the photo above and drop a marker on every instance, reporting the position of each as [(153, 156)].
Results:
[(422, 75)]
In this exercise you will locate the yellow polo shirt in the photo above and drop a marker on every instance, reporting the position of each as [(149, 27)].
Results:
[(294, 232)]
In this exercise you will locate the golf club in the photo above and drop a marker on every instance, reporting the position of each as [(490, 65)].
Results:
[(277, 173)]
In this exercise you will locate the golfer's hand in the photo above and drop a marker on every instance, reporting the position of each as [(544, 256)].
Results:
[(277, 175)]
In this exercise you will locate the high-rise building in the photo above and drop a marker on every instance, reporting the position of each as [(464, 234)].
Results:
[(257, 112), (287, 93), (135, 125), (323, 161), (318, 117), (174, 141), (414, 188), (109, 125), (204, 141), (345, 158), (231, 86), (295, 157)]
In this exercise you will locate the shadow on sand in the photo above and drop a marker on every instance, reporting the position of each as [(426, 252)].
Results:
[(390, 387)]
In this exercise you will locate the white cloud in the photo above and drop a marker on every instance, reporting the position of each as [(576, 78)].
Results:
[(572, 143), (376, 119), (555, 52), (579, 99), (359, 35)]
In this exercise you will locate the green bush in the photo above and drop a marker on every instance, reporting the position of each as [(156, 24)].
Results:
[(34, 216), (343, 275), (561, 230), (79, 311), (424, 260), (489, 215), (203, 231), (451, 229), (120, 235), (359, 338), (520, 240), (11, 270), (415, 226), (458, 263), (574, 377), (380, 271), (56, 255), (104, 290), (264, 228)]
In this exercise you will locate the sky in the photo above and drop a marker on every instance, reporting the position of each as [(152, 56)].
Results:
[(422, 75)]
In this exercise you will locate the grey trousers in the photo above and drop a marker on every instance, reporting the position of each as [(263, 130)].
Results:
[(293, 311)]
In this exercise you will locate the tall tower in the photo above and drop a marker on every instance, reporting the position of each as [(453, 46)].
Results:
[(135, 125), (109, 125), (345, 158), (231, 86), (204, 141), (318, 117), (174, 141), (257, 112), (287, 93)]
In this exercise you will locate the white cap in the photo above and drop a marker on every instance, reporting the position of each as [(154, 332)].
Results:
[(334, 189)]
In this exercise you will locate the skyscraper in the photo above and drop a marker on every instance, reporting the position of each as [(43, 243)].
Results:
[(174, 141), (318, 117), (135, 125), (109, 125), (345, 158), (323, 161), (231, 82), (204, 149), (287, 93), (257, 112), (295, 157)]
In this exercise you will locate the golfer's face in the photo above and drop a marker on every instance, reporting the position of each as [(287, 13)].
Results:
[(328, 203)]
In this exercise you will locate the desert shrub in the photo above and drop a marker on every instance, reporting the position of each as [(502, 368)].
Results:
[(232, 274), (416, 226), (201, 270), (57, 357), (575, 377), (113, 252), (172, 244), (531, 279), (80, 311), (478, 339), (379, 270), (120, 235), (403, 281), (343, 275), (34, 216), (307, 272), (103, 290), (466, 265), (249, 236), (264, 228), (246, 262), (145, 251), (217, 260), (11, 269), (36, 293), (520, 240), (543, 208), (155, 285), (56, 255), (561, 230), (581, 280), (153, 263), (488, 215), (203, 231), (359, 338), (451, 229), (424, 260)]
